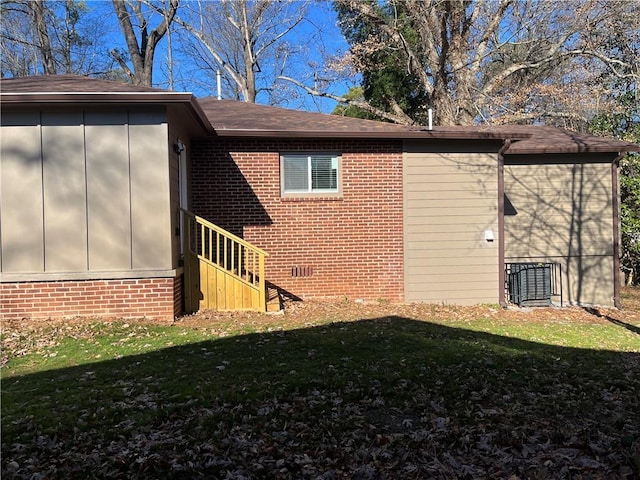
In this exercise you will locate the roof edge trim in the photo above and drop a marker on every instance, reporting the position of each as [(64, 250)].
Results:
[(95, 97), (620, 149), (109, 98), (431, 134)]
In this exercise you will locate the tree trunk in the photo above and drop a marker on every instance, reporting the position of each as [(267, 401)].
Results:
[(250, 62), (142, 54), (40, 23)]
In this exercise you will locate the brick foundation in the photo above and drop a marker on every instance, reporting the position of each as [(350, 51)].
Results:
[(159, 298), (351, 246)]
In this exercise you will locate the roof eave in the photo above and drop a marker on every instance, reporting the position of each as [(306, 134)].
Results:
[(94, 97), (613, 150), (199, 115), (417, 134), (110, 98)]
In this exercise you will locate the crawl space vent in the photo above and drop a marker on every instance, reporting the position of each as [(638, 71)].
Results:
[(301, 271)]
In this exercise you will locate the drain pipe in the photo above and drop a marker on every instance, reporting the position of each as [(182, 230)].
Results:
[(501, 272), (615, 206)]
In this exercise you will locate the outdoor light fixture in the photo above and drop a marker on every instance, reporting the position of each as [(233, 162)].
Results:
[(178, 147)]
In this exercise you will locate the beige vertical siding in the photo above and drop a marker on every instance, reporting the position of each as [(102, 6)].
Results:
[(149, 169), (85, 191), (65, 214), (450, 200), (109, 214), (21, 193), (562, 212)]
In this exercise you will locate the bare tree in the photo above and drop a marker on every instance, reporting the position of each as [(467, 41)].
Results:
[(25, 28), (134, 15), (245, 39), (20, 56), (47, 36), (485, 60), (37, 10)]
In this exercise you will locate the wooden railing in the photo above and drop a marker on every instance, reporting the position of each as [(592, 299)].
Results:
[(222, 271)]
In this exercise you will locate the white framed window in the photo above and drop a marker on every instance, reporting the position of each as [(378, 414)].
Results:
[(310, 174)]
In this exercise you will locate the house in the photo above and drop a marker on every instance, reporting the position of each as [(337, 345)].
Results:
[(130, 201)]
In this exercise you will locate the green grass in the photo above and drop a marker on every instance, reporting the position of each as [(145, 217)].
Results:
[(440, 400), (101, 342)]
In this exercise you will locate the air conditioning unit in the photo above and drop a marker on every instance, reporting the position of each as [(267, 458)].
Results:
[(529, 284)]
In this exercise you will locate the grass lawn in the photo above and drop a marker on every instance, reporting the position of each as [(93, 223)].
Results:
[(336, 391)]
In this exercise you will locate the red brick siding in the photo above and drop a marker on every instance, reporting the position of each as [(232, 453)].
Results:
[(153, 297), (353, 244), (177, 296)]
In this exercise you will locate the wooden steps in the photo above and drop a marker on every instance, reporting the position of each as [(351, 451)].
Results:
[(221, 270)]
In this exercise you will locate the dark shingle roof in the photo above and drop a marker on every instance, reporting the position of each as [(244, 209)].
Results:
[(233, 118), (45, 84), (238, 118), (66, 89), (544, 139)]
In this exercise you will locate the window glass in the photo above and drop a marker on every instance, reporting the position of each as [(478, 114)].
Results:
[(296, 174), (324, 173), (310, 173)]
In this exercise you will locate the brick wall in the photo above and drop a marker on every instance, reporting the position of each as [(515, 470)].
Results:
[(350, 246), (154, 297), (178, 297)]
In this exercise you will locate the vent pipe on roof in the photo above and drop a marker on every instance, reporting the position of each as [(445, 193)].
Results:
[(430, 118), (219, 83)]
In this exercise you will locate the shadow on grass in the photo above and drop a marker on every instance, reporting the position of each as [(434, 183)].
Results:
[(384, 398), (615, 321)]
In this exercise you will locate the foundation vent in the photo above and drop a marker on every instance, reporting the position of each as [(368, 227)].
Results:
[(305, 271)]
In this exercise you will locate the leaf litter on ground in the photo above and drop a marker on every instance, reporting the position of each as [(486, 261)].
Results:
[(328, 391)]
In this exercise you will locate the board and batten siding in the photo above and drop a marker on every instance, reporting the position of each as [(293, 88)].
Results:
[(562, 212), (450, 202), (84, 194)]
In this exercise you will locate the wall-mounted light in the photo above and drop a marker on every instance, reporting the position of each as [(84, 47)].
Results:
[(178, 147)]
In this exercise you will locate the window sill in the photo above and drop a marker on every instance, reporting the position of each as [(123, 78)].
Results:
[(312, 198)]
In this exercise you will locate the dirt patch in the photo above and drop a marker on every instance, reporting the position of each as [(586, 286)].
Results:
[(309, 313)]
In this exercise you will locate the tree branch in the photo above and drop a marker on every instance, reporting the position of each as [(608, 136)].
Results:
[(610, 62), (199, 35), (487, 34), (552, 55), (129, 35), (365, 9), (123, 64), (400, 118)]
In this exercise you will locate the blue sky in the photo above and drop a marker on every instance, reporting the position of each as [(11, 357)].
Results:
[(318, 33)]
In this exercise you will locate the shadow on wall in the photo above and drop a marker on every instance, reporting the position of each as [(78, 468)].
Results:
[(390, 394), (561, 212), (286, 295), (222, 194), (509, 209), (555, 211), (475, 164)]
